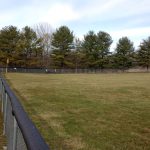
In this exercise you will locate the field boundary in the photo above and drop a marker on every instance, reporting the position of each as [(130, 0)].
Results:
[(59, 71)]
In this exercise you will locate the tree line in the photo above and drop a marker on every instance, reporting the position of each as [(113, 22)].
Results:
[(42, 47)]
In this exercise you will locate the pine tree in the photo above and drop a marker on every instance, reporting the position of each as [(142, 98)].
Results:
[(96, 47), (9, 36), (61, 42), (124, 53), (29, 48), (144, 53)]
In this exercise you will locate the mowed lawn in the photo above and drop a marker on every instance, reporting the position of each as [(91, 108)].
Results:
[(88, 111)]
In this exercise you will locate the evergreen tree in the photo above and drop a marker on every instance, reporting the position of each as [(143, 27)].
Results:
[(9, 36), (124, 53), (104, 42), (144, 53), (89, 47), (97, 48), (61, 42), (77, 56), (29, 47)]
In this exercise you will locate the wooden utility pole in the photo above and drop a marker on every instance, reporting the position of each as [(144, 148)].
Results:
[(7, 62)]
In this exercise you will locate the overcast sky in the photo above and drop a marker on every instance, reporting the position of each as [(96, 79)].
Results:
[(117, 17)]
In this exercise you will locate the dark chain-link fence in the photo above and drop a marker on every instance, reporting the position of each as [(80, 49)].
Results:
[(77, 70)]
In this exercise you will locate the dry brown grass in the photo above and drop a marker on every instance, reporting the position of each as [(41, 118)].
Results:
[(2, 137), (88, 111)]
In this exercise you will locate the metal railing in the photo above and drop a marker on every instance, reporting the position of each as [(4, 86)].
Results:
[(21, 133)]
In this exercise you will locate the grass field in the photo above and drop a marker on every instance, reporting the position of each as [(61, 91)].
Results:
[(2, 137), (88, 111)]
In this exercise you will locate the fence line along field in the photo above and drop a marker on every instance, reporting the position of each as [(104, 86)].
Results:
[(88, 111)]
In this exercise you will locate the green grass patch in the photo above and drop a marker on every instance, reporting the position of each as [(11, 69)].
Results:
[(88, 111)]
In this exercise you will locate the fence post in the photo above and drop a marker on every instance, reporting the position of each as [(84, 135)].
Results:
[(2, 97), (0, 84), (5, 113), (15, 134)]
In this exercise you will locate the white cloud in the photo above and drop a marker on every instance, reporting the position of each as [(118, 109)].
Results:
[(114, 9), (82, 14), (53, 13), (136, 35), (131, 32), (60, 13), (100, 7), (4, 17)]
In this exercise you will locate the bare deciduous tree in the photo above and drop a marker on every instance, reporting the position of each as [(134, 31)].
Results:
[(45, 32)]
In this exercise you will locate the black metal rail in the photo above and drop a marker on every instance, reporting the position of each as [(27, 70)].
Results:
[(31, 135)]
